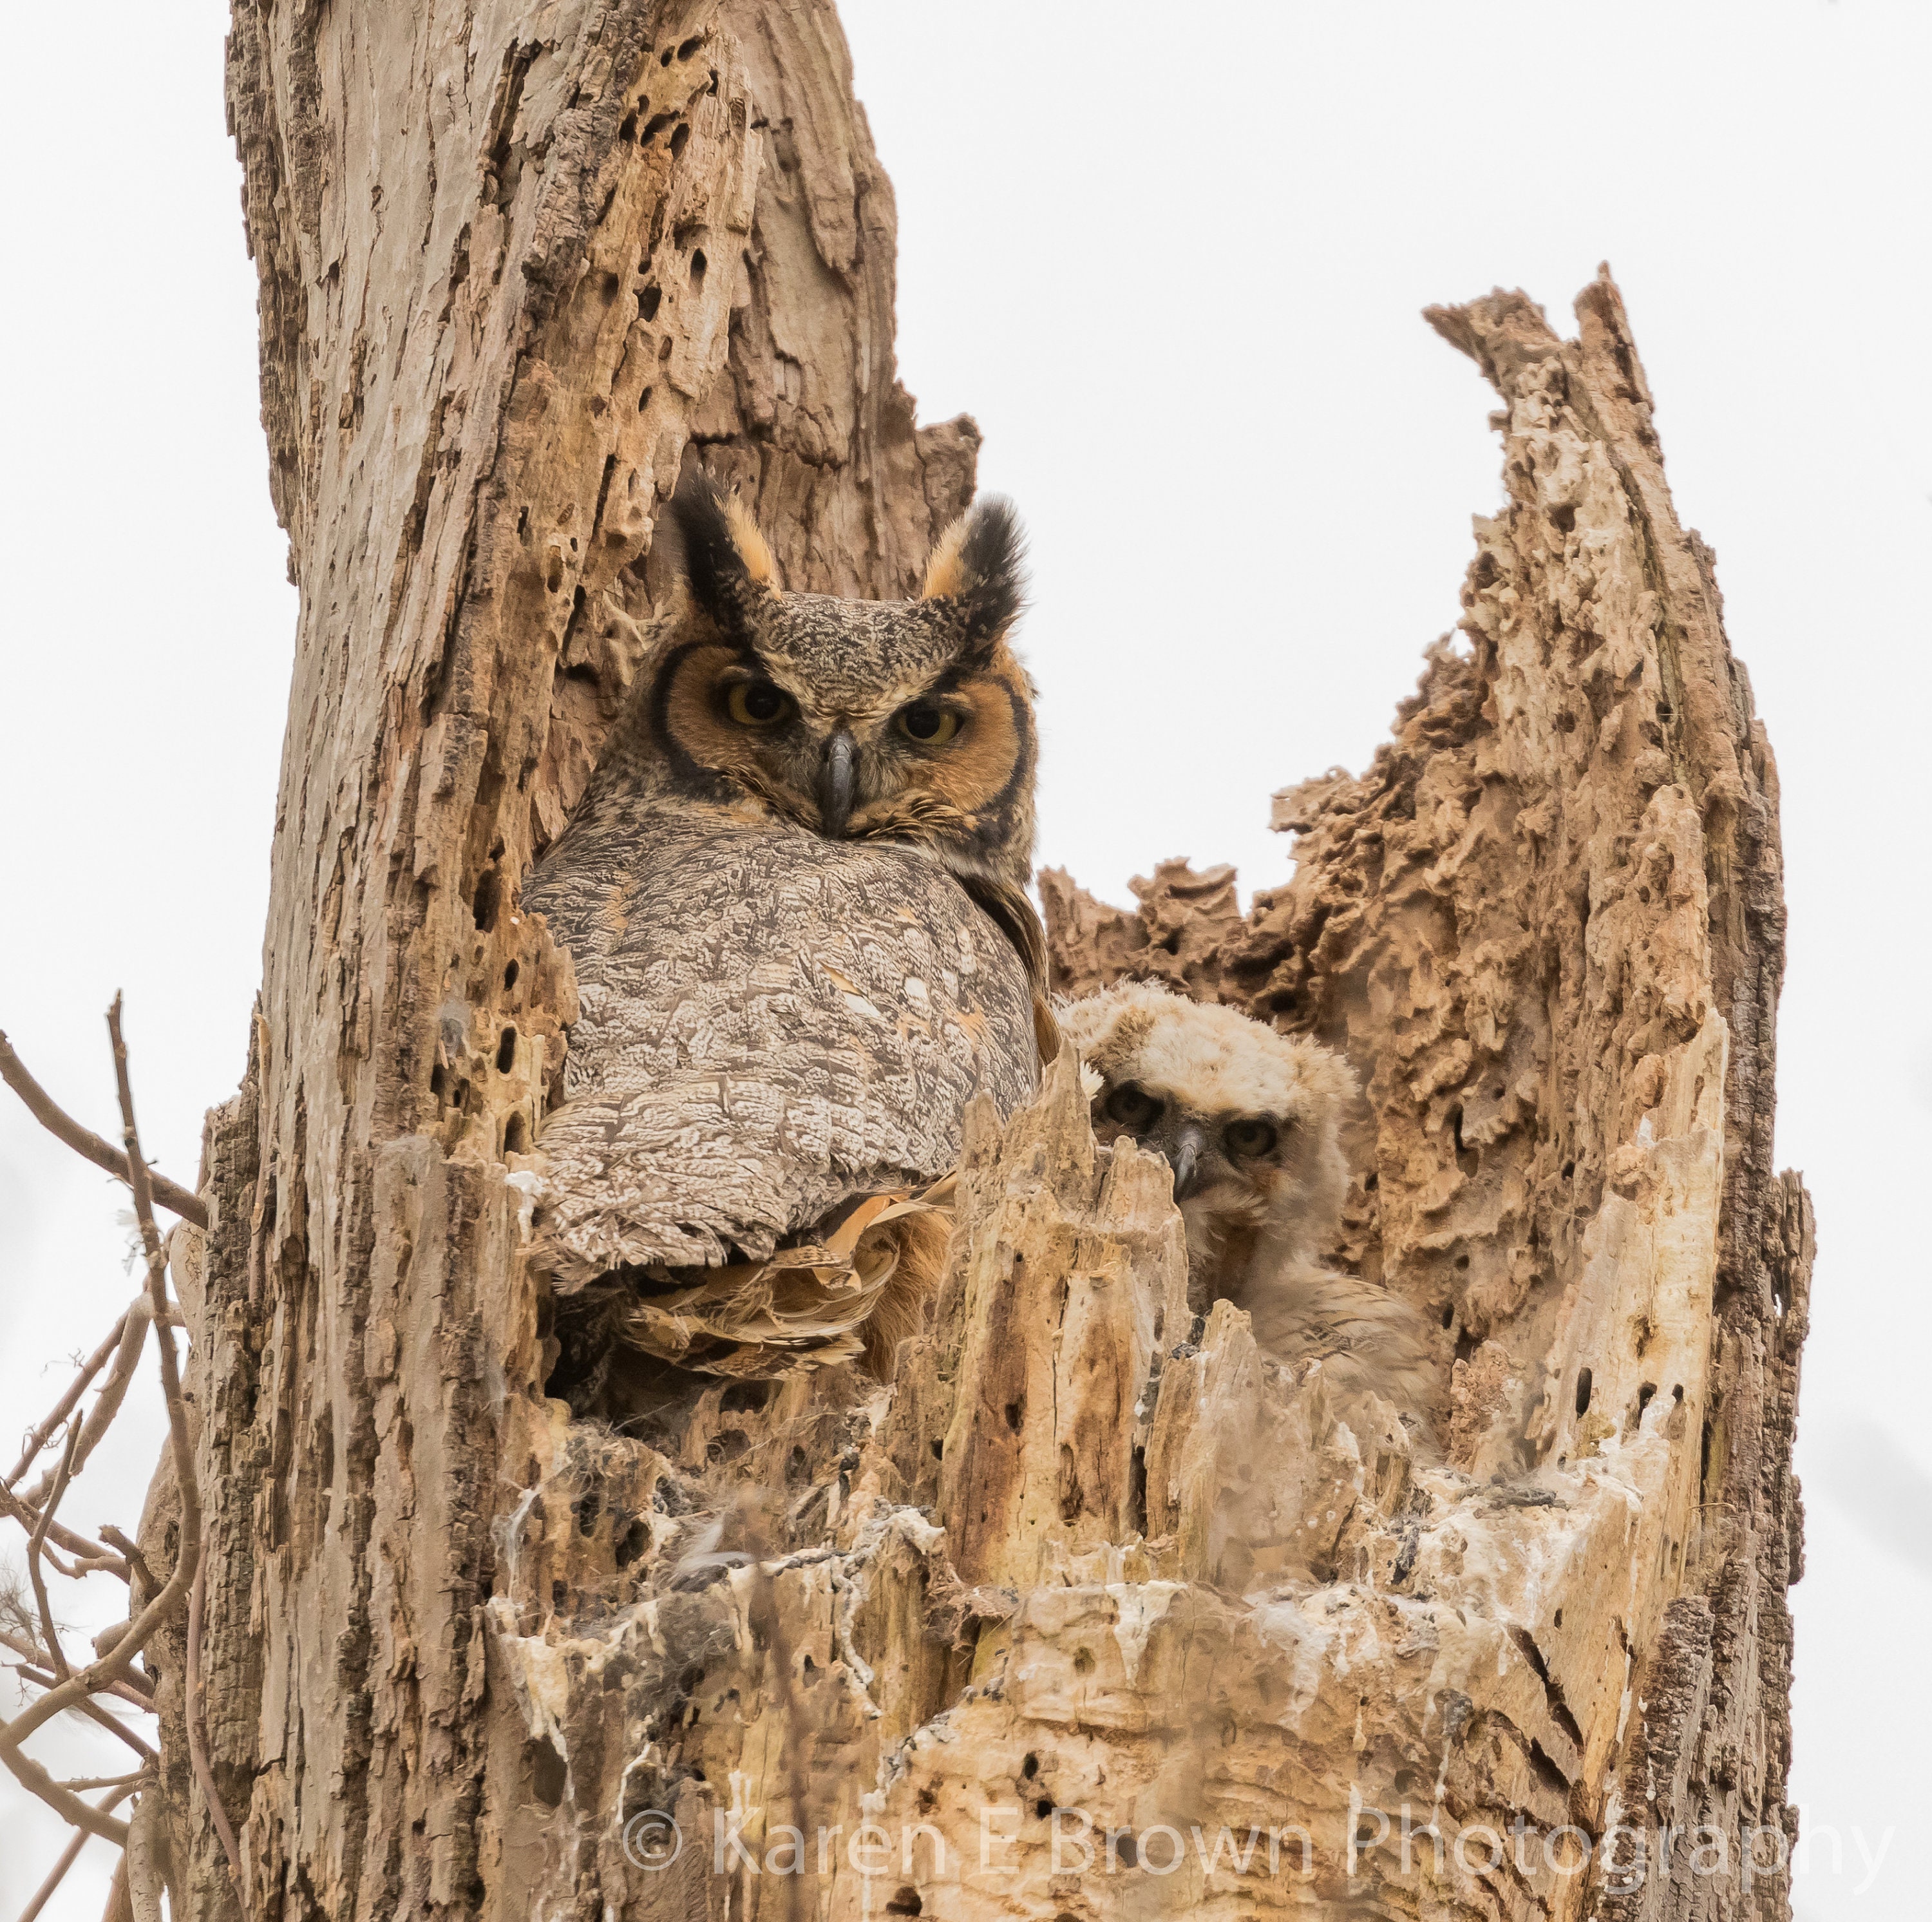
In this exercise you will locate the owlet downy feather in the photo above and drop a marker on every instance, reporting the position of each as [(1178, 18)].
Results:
[(1248, 1120)]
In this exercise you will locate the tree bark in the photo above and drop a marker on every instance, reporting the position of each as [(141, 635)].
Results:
[(514, 264), (464, 1656)]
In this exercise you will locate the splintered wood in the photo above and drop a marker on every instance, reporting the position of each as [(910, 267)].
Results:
[(1546, 926), (1094, 1611)]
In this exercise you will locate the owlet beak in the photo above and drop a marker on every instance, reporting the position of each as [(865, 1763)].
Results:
[(1186, 1158), (835, 785)]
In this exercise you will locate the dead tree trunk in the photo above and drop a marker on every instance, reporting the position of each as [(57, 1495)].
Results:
[(513, 263), (1547, 926), (1083, 1579)]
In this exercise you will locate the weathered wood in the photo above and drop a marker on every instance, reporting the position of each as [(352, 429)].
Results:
[(467, 1657), (511, 265), (1547, 927)]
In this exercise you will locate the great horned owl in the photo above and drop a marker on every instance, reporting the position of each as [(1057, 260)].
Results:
[(1248, 1120), (793, 893)]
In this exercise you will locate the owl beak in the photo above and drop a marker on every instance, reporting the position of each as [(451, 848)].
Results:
[(835, 785), (1187, 1159)]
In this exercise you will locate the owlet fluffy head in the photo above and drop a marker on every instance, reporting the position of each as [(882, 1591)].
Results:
[(1248, 1119), (906, 720)]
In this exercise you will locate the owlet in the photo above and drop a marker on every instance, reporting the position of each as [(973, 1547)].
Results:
[(1249, 1119)]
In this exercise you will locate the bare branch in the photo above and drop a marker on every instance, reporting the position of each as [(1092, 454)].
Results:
[(69, 1807), (89, 1368), (84, 1141), (44, 1894), (57, 1873), (19, 1644), (124, 1690), (136, 1562), (120, 1908), (146, 1847), (115, 1666), (133, 1691), (36, 1541), (128, 1688), (82, 1566), (197, 1729), (12, 1506), (15, 1614), (113, 1390)]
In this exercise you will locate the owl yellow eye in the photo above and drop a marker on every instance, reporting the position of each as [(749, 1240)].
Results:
[(757, 704), (928, 723), (1133, 1108), (1247, 1139)]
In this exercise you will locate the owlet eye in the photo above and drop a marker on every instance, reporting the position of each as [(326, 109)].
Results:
[(1247, 1139), (1133, 1108), (757, 704), (928, 723)]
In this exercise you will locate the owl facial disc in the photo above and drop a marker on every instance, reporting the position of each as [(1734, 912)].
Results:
[(907, 722)]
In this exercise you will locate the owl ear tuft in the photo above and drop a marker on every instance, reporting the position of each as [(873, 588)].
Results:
[(726, 560), (980, 563)]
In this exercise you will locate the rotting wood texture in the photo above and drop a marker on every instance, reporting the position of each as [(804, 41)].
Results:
[(1088, 1574), (1547, 927), (514, 264)]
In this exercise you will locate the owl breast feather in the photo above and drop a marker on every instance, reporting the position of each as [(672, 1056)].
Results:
[(769, 1024)]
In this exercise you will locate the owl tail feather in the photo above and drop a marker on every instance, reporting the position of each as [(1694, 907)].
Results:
[(854, 1294)]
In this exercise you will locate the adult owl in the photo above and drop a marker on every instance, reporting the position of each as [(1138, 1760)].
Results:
[(794, 896), (1250, 1122)]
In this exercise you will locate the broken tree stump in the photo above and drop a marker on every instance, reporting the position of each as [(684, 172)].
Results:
[(1093, 1611)]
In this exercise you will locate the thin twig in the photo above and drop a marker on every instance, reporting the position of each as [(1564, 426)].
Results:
[(11, 1505), (113, 1390), (82, 1566), (125, 1689), (19, 1645), (35, 1543), (130, 1781), (71, 1854), (114, 1665), (190, 1496), (121, 1691), (89, 1368), (77, 1813), (175, 1198)]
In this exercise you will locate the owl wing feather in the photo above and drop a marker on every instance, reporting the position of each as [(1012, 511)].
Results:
[(1368, 1339), (771, 1023), (1019, 921)]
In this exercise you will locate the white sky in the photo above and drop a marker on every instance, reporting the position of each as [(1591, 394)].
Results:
[(1175, 272)]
